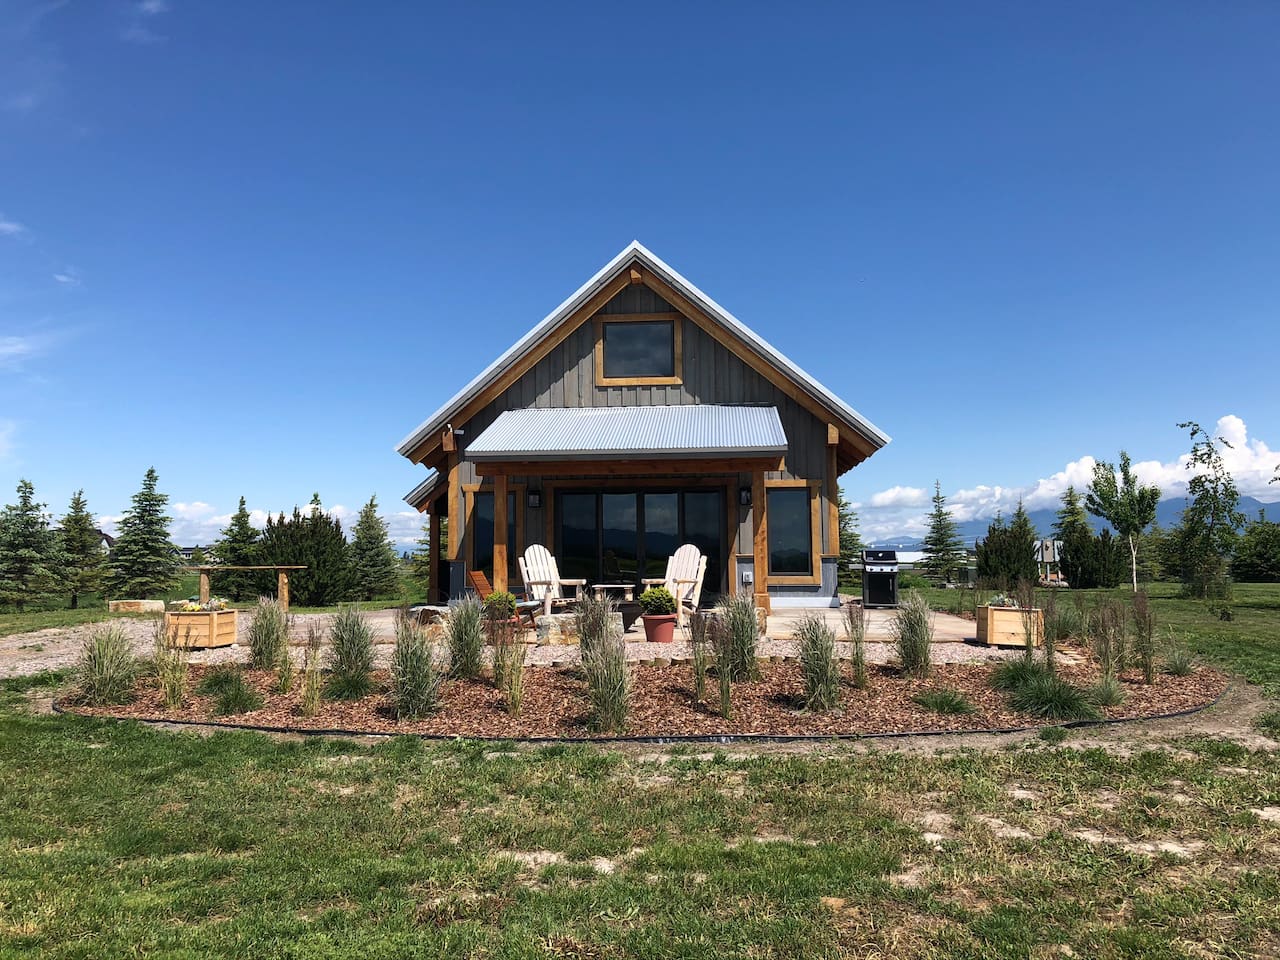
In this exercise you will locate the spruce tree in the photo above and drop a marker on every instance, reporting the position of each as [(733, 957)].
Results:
[(82, 550), (238, 546), (374, 567), (420, 559), (851, 545), (1007, 555), (30, 554), (144, 562), (1072, 517), (316, 541), (943, 548)]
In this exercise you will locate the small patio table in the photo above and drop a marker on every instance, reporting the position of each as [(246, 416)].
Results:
[(601, 590)]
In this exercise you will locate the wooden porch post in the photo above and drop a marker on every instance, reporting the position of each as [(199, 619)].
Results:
[(500, 532), (204, 586), (282, 588), (434, 564), (760, 539)]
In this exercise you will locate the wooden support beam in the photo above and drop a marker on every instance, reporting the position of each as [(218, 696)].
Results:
[(435, 559), (833, 435), (833, 503), (282, 588), (760, 539), (448, 442), (455, 513), (204, 586), (500, 533), (636, 276)]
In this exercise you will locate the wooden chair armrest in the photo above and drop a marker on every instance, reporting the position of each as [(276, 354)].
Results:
[(678, 580), (538, 583), (572, 583), (653, 581)]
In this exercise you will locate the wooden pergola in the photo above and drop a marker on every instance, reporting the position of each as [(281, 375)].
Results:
[(282, 578)]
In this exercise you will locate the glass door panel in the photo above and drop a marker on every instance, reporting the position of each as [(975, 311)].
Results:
[(620, 538), (578, 555), (704, 528), (661, 531)]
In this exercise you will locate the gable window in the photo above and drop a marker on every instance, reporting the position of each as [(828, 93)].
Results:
[(794, 531), (637, 349)]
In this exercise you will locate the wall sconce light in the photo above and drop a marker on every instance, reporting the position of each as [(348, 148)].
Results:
[(744, 496), (533, 499)]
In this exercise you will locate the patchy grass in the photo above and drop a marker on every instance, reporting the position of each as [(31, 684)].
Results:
[(122, 840)]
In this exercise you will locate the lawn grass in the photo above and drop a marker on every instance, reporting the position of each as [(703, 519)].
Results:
[(120, 840)]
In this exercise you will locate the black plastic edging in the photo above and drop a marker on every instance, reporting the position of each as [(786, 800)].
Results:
[(723, 738)]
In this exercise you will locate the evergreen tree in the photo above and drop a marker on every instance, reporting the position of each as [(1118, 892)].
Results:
[(943, 548), (82, 550), (1008, 553), (30, 554), (316, 541), (1257, 558), (1072, 517), (1091, 560), (238, 546), (420, 559), (1128, 505), (374, 567), (144, 562), (851, 545)]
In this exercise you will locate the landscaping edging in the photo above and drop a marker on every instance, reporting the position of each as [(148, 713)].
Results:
[(727, 738)]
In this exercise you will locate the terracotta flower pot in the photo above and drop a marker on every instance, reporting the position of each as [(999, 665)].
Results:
[(659, 627)]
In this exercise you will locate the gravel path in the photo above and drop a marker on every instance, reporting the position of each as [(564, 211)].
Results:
[(59, 647)]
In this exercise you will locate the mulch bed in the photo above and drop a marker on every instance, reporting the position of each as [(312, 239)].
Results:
[(555, 705)]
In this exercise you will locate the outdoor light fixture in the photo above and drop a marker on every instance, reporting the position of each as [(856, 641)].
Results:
[(533, 499), (744, 496)]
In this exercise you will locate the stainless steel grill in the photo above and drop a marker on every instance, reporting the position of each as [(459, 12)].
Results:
[(879, 578)]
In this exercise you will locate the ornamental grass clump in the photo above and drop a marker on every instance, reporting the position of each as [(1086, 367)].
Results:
[(1107, 638), (464, 633), (1178, 659), (737, 615), (1050, 697), (722, 644), (1014, 674), (312, 679), (944, 700), (170, 666), (1107, 692), (107, 667), (818, 663), (416, 677), (604, 664), (912, 630), (699, 642), (230, 691), (508, 664), (1025, 597), (1145, 646), (268, 634), (855, 631), (350, 655)]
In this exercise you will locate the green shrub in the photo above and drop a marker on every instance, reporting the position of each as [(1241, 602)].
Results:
[(855, 631), (1052, 735), (944, 700), (657, 601), (350, 655), (1179, 661), (107, 667), (268, 634), (1107, 692), (231, 692), (912, 630), (1050, 697), (170, 667), (500, 605), (818, 663), (416, 678), (1013, 674), (699, 639), (217, 680), (464, 633), (737, 617), (1062, 623), (604, 664)]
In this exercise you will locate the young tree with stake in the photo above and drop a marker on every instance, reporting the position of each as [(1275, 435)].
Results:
[(1124, 502)]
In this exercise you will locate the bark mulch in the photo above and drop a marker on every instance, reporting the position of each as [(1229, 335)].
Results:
[(555, 705)]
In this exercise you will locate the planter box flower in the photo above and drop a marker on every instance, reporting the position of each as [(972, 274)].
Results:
[(199, 629), (1007, 626)]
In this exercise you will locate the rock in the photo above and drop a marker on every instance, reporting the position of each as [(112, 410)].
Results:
[(135, 606), (561, 628)]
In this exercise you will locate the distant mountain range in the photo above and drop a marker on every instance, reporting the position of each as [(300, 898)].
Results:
[(1168, 513)]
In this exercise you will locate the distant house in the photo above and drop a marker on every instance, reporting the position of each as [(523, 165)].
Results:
[(637, 416)]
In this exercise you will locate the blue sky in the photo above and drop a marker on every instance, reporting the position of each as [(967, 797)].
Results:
[(254, 245)]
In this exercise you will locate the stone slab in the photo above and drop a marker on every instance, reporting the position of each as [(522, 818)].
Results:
[(135, 606)]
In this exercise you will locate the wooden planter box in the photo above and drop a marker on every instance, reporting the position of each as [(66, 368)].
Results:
[(201, 628), (1007, 626)]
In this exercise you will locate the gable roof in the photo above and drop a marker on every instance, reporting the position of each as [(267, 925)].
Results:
[(636, 253)]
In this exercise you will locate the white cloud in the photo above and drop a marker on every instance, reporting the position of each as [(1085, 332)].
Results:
[(16, 348), (899, 497), (68, 277), (7, 431), (152, 7), (10, 228), (892, 514), (138, 30)]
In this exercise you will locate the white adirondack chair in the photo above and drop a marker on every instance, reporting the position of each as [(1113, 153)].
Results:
[(542, 580), (686, 569)]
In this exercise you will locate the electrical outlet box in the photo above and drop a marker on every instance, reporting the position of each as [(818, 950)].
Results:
[(748, 577)]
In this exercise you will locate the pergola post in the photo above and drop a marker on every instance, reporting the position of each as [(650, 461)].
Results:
[(282, 588), (500, 532), (204, 586), (435, 558), (760, 540)]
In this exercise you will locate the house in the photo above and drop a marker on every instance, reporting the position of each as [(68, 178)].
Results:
[(639, 415)]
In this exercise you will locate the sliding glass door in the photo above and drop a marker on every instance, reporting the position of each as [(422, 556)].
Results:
[(623, 536)]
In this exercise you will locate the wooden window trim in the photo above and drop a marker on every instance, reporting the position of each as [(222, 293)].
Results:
[(513, 549), (815, 534), (677, 327)]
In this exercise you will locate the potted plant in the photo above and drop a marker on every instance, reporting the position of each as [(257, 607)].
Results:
[(659, 616), (1002, 623), (195, 624), (500, 608)]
